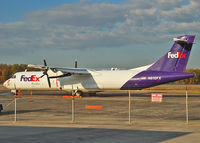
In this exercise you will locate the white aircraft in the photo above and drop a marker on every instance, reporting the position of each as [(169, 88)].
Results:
[(168, 68)]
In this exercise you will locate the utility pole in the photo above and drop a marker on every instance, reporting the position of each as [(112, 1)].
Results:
[(187, 108), (73, 105), (129, 106), (15, 117)]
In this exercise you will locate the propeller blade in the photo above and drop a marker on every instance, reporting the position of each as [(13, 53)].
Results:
[(75, 64), (42, 76), (45, 63), (45, 73), (49, 83)]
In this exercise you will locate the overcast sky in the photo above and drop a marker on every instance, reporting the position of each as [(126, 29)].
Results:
[(98, 33)]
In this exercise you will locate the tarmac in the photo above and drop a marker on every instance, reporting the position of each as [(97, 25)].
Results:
[(48, 118), (21, 134)]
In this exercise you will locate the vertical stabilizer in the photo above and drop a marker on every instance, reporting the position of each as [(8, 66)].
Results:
[(176, 59)]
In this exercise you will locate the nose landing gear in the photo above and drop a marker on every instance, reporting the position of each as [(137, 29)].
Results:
[(14, 92)]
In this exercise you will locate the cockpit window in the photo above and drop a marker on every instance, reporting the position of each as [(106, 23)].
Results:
[(14, 76)]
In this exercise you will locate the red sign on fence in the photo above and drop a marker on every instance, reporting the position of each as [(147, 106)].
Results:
[(156, 97)]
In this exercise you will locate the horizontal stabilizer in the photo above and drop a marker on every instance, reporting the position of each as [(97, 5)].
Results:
[(182, 41)]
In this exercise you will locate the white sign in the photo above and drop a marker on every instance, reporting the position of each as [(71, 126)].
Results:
[(156, 97)]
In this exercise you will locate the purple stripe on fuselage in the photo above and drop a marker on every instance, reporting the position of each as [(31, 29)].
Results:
[(147, 79)]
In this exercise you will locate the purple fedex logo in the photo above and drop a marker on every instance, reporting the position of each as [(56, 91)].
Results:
[(31, 78)]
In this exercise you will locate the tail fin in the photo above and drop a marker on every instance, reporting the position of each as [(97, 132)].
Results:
[(176, 59)]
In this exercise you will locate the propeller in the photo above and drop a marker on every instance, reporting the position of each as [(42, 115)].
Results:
[(45, 73), (75, 64)]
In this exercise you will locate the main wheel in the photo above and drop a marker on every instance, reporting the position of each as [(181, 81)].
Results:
[(78, 93), (1, 107)]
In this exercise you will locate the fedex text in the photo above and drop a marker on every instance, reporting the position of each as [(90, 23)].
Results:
[(31, 78), (177, 55)]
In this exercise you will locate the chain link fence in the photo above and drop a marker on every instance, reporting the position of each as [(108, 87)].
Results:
[(54, 109)]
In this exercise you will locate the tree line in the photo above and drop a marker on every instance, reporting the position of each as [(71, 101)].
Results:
[(7, 71)]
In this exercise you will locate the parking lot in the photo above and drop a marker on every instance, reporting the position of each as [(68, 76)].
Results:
[(50, 109)]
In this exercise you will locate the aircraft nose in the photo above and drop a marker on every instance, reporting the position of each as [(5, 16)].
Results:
[(4, 84)]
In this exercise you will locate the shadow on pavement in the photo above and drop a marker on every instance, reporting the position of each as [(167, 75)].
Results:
[(84, 135)]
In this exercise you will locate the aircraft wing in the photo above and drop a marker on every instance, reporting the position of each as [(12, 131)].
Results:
[(78, 71), (61, 72)]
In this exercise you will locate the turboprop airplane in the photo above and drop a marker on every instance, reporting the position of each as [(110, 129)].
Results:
[(168, 68)]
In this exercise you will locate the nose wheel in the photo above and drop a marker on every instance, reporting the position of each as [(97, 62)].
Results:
[(15, 92)]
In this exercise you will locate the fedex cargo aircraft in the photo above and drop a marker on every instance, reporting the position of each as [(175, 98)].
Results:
[(168, 68)]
